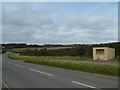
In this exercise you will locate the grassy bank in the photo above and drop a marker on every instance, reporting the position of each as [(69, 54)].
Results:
[(79, 66), (12, 56)]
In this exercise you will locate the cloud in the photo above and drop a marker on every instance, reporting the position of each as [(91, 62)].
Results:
[(96, 23), (93, 29), (25, 17), (14, 33), (48, 26)]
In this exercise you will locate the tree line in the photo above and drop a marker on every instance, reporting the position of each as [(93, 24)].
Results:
[(76, 51)]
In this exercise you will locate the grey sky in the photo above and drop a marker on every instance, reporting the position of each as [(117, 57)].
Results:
[(64, 23)]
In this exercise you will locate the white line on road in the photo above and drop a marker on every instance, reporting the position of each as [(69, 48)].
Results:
[(4, 83), (41, 72), (85, 85), (19, 65)]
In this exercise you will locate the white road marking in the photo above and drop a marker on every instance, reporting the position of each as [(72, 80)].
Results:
[(41, 72), (86, 85), (4, 83), (19, 65), (9, 62)]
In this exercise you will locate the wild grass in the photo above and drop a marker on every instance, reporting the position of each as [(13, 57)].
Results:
[(85, 67), (12, 56), (79, 66)]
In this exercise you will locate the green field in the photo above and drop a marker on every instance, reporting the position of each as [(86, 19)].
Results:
[(49, 57), (79, 66), (49, 48)]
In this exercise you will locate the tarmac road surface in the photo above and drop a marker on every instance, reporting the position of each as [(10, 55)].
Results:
[(19, 74)]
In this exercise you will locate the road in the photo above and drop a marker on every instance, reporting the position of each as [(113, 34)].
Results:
[(18, 74)]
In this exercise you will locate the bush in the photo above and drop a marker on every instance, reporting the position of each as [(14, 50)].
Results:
[(78, 51)]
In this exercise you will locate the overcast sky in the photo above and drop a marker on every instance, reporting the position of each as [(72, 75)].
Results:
[(60, 23)]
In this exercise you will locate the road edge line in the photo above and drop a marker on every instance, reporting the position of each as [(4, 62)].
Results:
[(41, 72), (4, 83), (85, 85)]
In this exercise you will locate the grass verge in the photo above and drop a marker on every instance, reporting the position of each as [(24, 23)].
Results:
[(12, 56), (79, 66)]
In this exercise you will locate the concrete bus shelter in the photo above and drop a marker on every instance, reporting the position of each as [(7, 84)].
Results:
[(103, 53)]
